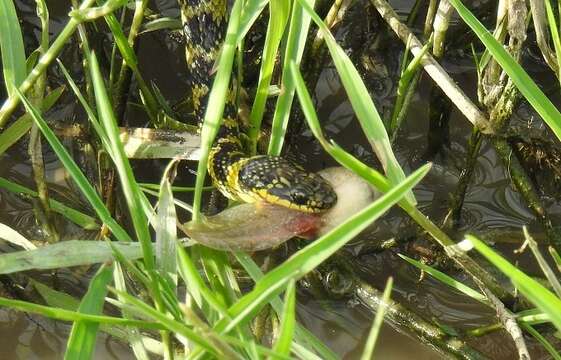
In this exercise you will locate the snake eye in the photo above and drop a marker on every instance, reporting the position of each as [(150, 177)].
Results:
[(299, 198)]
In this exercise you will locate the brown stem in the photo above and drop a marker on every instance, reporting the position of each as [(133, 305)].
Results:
[(404, 319), (441, 22), (433, 68), (540, 25)]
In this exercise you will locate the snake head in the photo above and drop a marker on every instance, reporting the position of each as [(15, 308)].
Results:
[(278, 181)]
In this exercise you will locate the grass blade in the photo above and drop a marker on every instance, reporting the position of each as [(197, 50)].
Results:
[(554, 34), (75, 172), (302, 334), (445, 279), (546, 344), (59, 299), (279, 11), (216, 103), (11, 47), (520, 78), (555, 255), (377, 323), (79, 218), (250, 12), (196, 286), (12, 134), (81, 342), (56, 298), (129, 57), (295, 43), (405, 81), (162, 318), (133, 334), (91, 114), (66, 254), (547, 271), (166, 231), (362, 104), (22, 125), (544, 299), (66, 315), (288, 322), (133, 195)]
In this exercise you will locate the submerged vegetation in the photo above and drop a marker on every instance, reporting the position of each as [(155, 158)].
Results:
[(165, 295)]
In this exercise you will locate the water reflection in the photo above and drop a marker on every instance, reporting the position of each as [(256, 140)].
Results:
[(29, 338)]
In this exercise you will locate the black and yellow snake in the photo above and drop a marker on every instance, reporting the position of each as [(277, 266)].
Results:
[(238, 176)]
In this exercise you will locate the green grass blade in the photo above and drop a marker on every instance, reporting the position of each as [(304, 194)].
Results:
[(219, 274), (59, 299), (344, 158), (79, 218), (555, 255), (66, 254), (75, 172), (554, 34), (362, 104), (368, 352), (196, 286), (133, 195), (91, 114), (81, 342), (546, 269), (21, 126), (302, 334), (171, 324), (31, 60), (66, 315), (288, 322), (163, 23), (12, 102), (125, 259), (546, 344), (12, 134), (295, 43), (132, 334), (318, 251), (129, 57), (445, 279), (173, 188), (250, 12), (403, 85), (257, 351), (56, 298), (279, 11), (520, 78), (166, 230), (544, 299), (11, 47), (216, 103)]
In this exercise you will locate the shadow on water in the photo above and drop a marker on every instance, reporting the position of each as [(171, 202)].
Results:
[(491, 202)]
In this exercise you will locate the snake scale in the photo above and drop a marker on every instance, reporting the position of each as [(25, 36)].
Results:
[(238, 176)]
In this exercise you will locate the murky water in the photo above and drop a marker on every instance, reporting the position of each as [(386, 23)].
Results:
[(491, 202)]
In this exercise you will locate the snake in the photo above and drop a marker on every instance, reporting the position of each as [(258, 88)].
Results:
[(235, 174)]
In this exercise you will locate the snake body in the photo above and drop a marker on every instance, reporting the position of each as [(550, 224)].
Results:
[(238, 176)]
